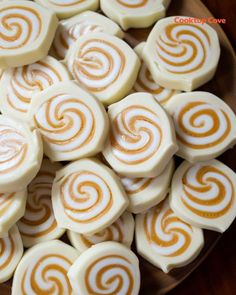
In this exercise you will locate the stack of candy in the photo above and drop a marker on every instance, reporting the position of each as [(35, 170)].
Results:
[(117, 116)]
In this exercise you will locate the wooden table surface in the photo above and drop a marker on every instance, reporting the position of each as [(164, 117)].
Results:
[(217, 274)]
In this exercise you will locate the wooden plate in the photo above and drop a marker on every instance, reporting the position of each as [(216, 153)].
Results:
[(154, 281)]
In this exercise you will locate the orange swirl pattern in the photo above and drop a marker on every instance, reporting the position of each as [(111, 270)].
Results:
[(133, 3), (207, 191), (183, 48), (135, 185), (7, 250), (201, 125), (167, 234), (136, 135), (111, 274), (85, 196), (65, 3), (13, 149), (20, 26)]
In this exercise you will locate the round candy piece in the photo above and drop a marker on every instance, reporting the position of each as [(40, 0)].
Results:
[(73, 124), (12, 208), (134, 14), (122, 231), (21, 153), (203, 194), (11, 251), (38, 223), (145, 193), (106, 268), (27, 31), (18, 86), (180, 55), (68, 8), (72, 29), (142, 139), (43, 269), (205, 125), (87, 197), (104, 65), (165, 240)]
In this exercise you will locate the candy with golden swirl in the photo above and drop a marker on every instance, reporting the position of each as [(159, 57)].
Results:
[(25, 36), (87, 197), (165, 240), (204, 194), (11, 251), (205, 125), (181, 56), (141, 142), (20, 154), (104, 65), (43, 269), (106, 268), (72, 123)]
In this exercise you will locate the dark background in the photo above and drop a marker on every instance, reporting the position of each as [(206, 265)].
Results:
[(217, 274)]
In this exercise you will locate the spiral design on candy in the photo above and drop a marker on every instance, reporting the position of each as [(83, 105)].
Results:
[(98, 64), (7, 250), (200, 125), (207, 191), (133, 3), (136, 135), (20, 26), (27, 80), (66, 123), (13, 149), (66, 2), (6, 203), (135, 185), (167, 234), (47, 275), (111, 274), (183, 48), (85, 196)]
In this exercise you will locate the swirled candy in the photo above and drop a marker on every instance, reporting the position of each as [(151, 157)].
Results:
[(68, 8), (21, 153), (72, 29), (43, 269), (203, 194), (181, 56), (105, 269), (73, 124), (38, 223), (12, 208), (165, 240), (87, 197), (145, 193), (121, 231), (19, 85), (205, 125), (11, 251), (142, 139), (104, 65), (27, 31), (134, 13)]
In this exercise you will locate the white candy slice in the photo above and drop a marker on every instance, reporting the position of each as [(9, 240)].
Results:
[(104, 65), (181, 56), (73, 124), (165, 240), (68, 8), (145, 193), (72, 29), (134, 13), (38, 223), (18, 86), (21, 153), (106, 268), (27, 31), (204, 194), (205, 125), (87, 197), (43, 269), (11, 251), (142, 140)]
